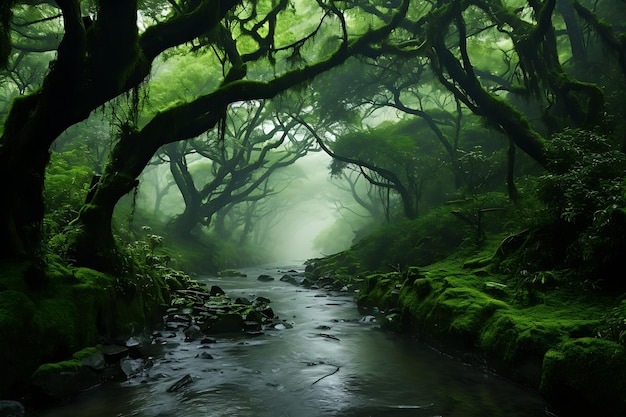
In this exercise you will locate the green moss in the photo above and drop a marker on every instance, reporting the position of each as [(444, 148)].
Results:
[(514, 337), (94, 279), (479, 262), (378, 291), (72, 365), (74, 309), (16, 312), (87, 352), (461, 312), (586, 374)]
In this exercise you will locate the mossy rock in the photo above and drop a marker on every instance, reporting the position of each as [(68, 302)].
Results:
[(378, 291), (515, 344), (59, 381), (514, 335), (586, 376), (91, 357), (393, 323), (460, 314)]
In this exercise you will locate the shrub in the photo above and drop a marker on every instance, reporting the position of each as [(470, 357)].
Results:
[(585, 190)]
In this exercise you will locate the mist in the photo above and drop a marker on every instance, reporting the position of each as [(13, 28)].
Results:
[(292, 239)]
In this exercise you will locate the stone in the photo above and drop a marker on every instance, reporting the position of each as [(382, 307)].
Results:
[(265, 278), (204, 355), (368, 319), (243, 300), (131, 367), (113, 353), (288, 278), (250, 325), (182, 382), (268, 312), (60, 381), (215, 291), (95, 361), (254, 316), (192, 333), (262, 300), (9, 408)]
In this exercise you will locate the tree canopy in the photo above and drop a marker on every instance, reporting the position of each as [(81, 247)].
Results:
[(166, 72)]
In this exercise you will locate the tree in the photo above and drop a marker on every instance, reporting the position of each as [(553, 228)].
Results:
[(254, 146), (106, 55), (398, 153), (94, 63), (93, 242)]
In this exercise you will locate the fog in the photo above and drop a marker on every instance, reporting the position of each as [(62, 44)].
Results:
[(303, 219), (292, 238)]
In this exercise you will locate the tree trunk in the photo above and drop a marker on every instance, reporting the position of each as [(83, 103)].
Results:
[(90, 236), (577, 43), (184, 223)]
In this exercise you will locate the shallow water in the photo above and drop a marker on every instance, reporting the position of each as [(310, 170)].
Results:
[(350, 369)]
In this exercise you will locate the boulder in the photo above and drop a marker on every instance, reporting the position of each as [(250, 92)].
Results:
[(62, 380), (243, 301), (265, 278), (113, 353), (288, 278), (10, 408), (215, 291)]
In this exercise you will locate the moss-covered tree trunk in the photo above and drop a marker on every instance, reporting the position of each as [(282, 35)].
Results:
[(33, 123), (92, 67), (71, 89), (90, 236)]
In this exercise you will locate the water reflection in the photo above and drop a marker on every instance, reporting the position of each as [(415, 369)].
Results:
[(327, 362)]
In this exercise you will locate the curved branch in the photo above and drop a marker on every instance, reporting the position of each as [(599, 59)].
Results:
[(395, 182)]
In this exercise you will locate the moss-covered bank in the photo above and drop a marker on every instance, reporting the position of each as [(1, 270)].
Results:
[(545, 338), (49, 311)]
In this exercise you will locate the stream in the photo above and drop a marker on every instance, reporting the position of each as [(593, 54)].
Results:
[(326, 360)]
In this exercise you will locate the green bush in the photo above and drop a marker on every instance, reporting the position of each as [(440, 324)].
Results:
[(585, 190), (67, 182)]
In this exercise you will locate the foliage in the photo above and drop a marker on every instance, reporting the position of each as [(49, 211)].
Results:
[(585, 190), (67, 181), (484, 214), (615, 324), (410, 242)]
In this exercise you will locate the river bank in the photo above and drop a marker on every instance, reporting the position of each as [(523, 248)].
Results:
[(548, 337)]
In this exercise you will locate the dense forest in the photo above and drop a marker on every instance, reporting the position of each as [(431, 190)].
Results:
[(476, 179)]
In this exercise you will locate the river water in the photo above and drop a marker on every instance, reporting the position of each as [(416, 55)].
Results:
[(327, 360)]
